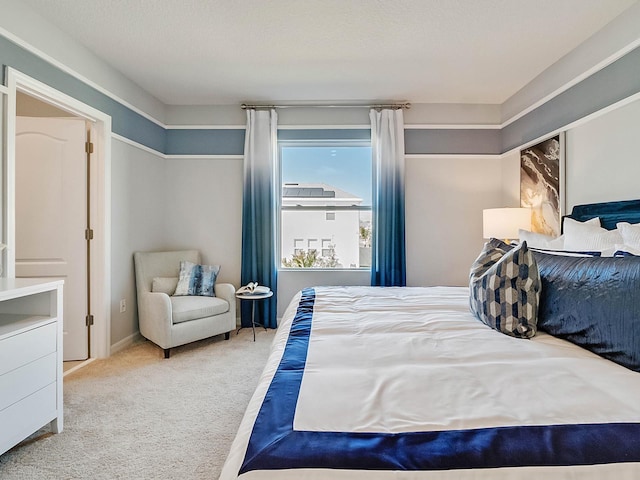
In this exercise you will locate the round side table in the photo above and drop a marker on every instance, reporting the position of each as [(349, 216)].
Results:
[(253, 297)]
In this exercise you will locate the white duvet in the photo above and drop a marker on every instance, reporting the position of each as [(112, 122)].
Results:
[(394, 360)]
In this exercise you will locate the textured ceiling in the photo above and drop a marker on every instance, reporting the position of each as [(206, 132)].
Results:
[(201, 52)]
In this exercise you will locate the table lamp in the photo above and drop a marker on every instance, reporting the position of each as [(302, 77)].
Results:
[(504, 223)]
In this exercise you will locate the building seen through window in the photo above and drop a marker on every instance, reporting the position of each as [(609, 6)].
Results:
[(326, 206)]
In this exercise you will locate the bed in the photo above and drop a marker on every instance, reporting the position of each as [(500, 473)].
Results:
[(405, 383)]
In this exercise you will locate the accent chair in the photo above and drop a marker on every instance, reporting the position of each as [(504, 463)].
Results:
[(170, 321)]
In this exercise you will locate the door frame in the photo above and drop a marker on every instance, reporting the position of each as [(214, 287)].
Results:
[(100, 337)]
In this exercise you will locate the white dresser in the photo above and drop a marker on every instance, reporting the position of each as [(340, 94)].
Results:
[(30, 358)]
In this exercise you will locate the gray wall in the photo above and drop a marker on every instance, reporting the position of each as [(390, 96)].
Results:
[(160, 204), (602, 162), (445, 199), (603, 158), (444, 202), (137, 223), (203, 210)]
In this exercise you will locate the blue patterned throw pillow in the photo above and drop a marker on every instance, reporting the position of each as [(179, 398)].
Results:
[(197, 279), (504, 288)]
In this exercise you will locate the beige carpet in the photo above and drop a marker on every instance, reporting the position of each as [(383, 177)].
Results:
[(138, 416)]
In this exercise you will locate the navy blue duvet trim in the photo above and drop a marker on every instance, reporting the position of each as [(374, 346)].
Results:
[(275, 445)]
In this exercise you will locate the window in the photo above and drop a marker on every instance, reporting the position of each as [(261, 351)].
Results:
[(326, 247), (325, 204)]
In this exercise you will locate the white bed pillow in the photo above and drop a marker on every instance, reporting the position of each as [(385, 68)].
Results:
[(585, 236), (630, 234), (549, 242), (540, 240), (624, 250), (594, 222)]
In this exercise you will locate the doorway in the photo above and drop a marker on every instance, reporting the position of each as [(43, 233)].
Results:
[(53, 210), (98, 265)]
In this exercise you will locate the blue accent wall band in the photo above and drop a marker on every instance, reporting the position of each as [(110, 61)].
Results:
[(613, 83), (325, 134), (452, 141), (125, 122), (204, 142)]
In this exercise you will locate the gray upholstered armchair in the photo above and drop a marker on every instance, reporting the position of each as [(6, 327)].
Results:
[(170, 321)]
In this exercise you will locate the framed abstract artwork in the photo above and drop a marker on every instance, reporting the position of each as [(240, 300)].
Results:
[(542, 184)]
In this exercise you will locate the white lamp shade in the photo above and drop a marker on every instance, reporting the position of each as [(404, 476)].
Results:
[(504, 223)]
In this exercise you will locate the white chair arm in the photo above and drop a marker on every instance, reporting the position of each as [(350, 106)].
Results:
[(155, 321), (227, 292)]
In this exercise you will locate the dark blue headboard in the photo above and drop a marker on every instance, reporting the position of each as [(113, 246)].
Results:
[(610, 213)]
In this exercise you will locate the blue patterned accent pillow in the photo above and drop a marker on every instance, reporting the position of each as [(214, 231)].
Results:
[(504, 288), (197, 279)]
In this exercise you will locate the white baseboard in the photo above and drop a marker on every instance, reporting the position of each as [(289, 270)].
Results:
[(125, 342), (78, 367)]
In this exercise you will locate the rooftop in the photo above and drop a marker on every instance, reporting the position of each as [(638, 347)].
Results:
[(315, 190), (317, 194)]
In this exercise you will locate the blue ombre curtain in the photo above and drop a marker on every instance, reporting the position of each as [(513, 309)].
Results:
[(259, 213), (388, 251)]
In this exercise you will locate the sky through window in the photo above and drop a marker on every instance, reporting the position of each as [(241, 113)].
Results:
[(347, 168)]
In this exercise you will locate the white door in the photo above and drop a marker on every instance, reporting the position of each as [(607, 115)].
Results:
[(51, 215)]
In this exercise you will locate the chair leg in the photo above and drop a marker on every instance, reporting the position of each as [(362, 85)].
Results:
[(167, 352), (226, 336)]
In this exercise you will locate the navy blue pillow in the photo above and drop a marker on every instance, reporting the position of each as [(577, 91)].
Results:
[(593, 302)]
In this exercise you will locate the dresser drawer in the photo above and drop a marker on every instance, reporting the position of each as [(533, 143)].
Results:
[(23, 381), (28, 415), (25, 347)]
